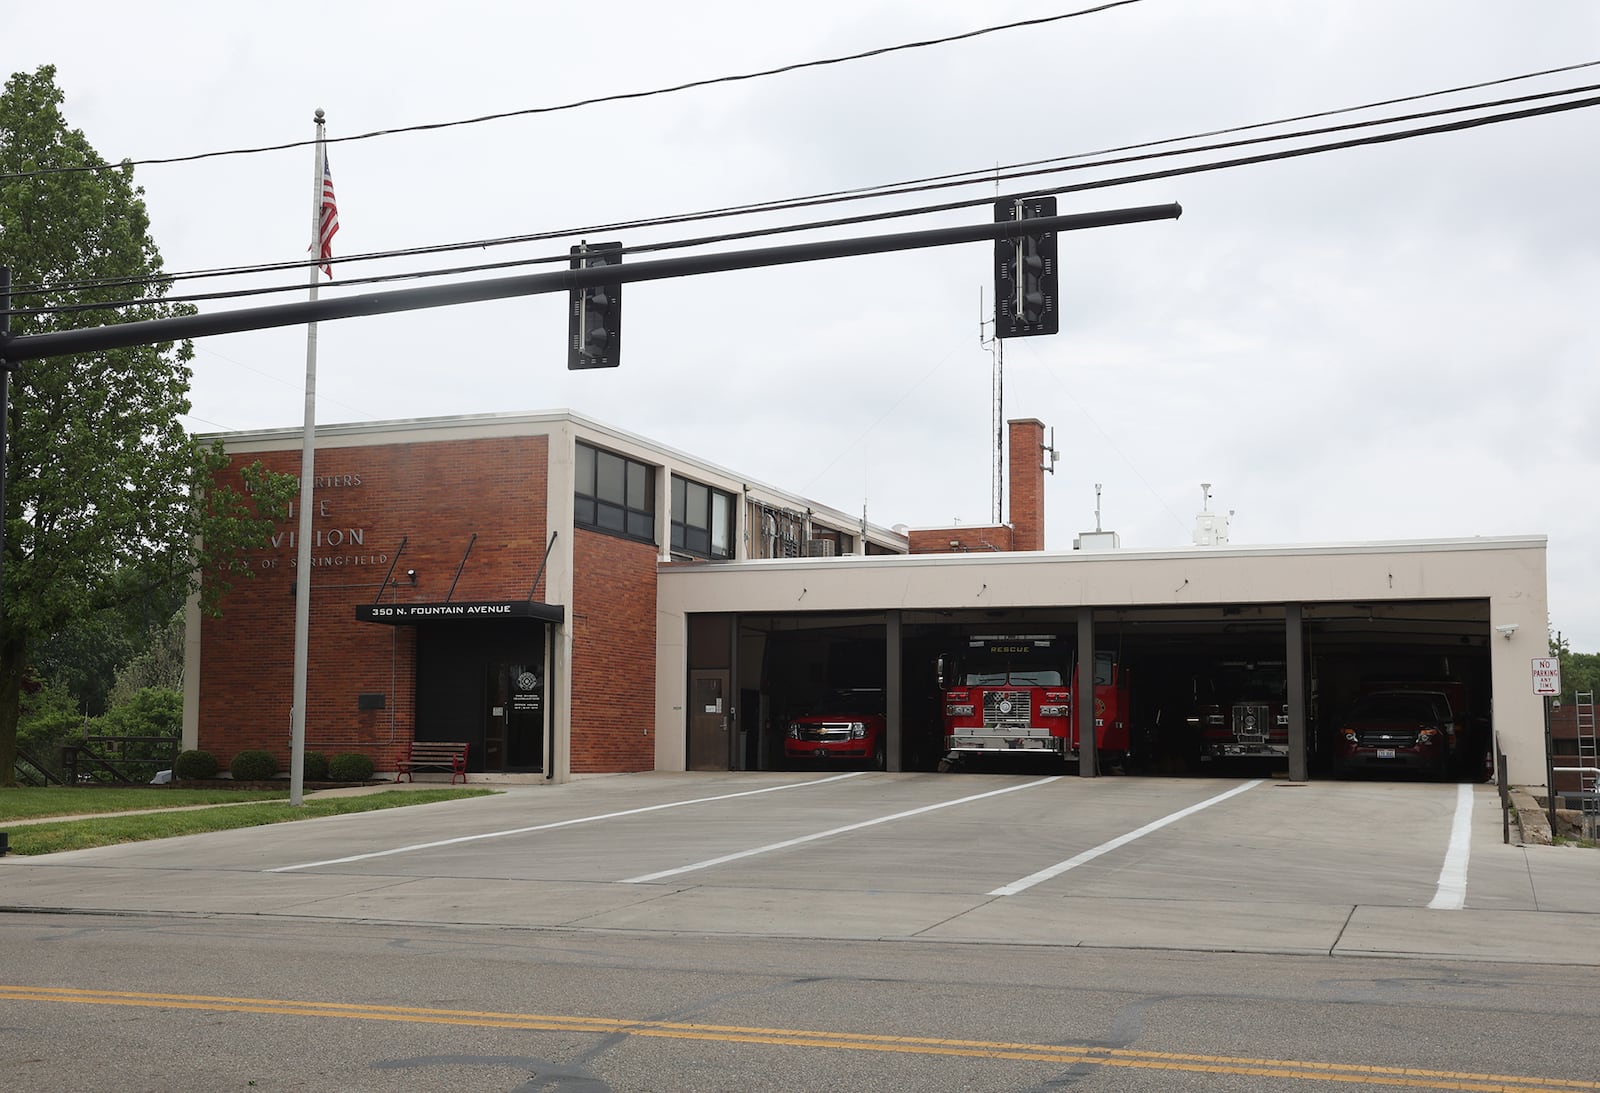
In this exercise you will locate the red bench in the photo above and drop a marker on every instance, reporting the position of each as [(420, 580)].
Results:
[(433, 755)]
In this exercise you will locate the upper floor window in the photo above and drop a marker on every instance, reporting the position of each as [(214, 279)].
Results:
[(614, 493), (702, 519)]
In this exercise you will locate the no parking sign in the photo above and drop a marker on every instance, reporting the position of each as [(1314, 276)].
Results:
[(1546, 675)]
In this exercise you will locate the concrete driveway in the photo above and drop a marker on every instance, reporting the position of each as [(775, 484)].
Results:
[(1251, 865)]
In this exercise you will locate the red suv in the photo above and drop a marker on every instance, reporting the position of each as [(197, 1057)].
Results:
[(1404, 730), (844, 725)]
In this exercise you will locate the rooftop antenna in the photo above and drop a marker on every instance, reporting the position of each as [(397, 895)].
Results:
[(997, 351), (1097, 506)]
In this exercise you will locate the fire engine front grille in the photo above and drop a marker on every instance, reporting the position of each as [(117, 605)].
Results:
[(1250, 722), (1007, 708)]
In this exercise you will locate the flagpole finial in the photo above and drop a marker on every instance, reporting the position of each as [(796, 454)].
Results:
[(320, 115)]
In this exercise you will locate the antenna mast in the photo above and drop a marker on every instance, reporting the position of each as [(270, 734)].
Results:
[(997, 352)]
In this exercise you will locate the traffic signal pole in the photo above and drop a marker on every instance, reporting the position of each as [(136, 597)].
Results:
[(158, 331)]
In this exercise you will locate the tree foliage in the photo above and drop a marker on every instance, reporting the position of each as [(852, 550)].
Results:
[(91, 655), (154, 711), (158, 664), (108, 498), (50, 717), (1579, 671)]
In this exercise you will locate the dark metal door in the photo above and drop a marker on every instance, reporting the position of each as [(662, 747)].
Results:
[(710, 718)]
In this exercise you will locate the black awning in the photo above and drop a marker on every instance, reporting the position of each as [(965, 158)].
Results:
[(415, 614)]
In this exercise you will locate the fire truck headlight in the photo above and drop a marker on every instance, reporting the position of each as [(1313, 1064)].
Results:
[(1213, 719), (858, 730), (958, 710), (1052, 711)]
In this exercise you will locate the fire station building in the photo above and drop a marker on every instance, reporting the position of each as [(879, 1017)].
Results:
[(566, 598)]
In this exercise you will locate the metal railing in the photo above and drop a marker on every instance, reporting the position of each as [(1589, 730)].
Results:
[(106, 759), (1588, 799)]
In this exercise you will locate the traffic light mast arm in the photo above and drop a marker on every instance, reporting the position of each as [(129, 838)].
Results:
[(157, 331)]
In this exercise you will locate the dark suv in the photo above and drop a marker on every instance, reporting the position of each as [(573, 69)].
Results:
[(1396, 730), (843, 725)]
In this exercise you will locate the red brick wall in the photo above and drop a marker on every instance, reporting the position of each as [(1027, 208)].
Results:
[(435, 495), (960, 539), (1025, 467), (613, 654)]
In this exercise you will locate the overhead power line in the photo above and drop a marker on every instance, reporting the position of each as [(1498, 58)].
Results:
[(922, 210), (1074, 161), (595, 101)]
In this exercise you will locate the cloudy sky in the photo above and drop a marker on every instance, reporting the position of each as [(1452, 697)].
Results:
[(1395, 341)]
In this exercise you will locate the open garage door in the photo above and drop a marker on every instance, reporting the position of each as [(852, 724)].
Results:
[(1208, 689)]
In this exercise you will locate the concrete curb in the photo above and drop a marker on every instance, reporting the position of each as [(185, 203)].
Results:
[(1531, 820)]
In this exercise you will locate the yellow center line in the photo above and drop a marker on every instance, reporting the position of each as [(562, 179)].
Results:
[(1303, 1070)]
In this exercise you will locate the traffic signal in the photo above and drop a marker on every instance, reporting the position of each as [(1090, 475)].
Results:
[(1025, 282), (594, 320)]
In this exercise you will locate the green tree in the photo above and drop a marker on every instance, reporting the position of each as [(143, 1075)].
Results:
[(107, 496), (158, 664), (1579, 671), (90, 654), (48, 717)]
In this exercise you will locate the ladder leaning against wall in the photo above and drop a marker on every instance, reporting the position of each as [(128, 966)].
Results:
[(1588, 763)]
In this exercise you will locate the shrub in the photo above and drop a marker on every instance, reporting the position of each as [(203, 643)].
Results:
[(316, 767), (253, 766), (48, 717), (150, 712), (350, 766), (194, 766)]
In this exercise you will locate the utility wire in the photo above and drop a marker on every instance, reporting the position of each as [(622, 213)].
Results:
[(956, 179), (922, 210), (618, 97)]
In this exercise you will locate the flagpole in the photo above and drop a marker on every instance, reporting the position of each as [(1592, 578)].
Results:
[(302, 575)]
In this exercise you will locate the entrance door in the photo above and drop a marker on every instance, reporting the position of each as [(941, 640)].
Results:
[(513, 726), (710, 747)]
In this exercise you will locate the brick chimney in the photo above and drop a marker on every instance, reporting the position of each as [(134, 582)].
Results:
[(1025, 465)]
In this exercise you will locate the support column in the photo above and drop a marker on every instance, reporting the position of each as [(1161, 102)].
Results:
[(1083, 697), (1295, 661), (894, 755)]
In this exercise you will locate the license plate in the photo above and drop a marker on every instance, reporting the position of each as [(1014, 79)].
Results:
[(1385, 753)]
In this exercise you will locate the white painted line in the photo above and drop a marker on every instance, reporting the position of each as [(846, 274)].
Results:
[(1121, 840), (785, 844), (562, 823), (1452, 892)]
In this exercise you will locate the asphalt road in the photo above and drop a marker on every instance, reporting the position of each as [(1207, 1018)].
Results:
[(812, 932)]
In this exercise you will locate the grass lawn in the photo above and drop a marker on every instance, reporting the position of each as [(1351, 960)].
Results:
[(114, 824), (31, 802)]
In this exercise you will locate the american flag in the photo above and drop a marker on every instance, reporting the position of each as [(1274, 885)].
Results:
[(330, 217)]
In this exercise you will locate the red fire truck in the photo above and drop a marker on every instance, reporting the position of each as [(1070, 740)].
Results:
[(1012, 695), (1247, 712)]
